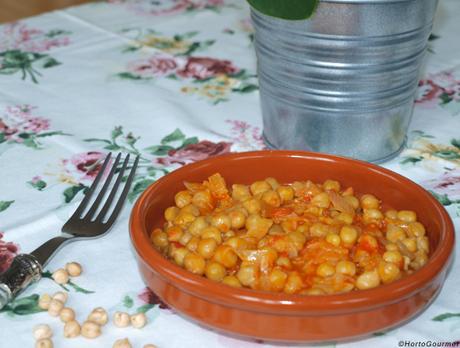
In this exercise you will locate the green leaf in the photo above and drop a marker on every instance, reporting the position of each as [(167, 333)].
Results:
[(447, 154), (71, 192), (188, 141), (5, 204), (113, 147), (445, 98), (286, 9), (116, 132), (145, 308), (78, 288), (128, 301), (131, 49), (411, 160), (454, 142), (246, 89), (159, 150), (445, 316), (138, 188), (50, 62), (2, 138), (57, 32), (96, 139), (49, 134), (30, 142), (129, 76), (443, 199), (39, 184), (23, 306), (174, 136)]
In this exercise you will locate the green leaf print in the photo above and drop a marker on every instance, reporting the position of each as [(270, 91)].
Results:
[(5, 205), (2, 138), (49, 134), (79, 288), (71, 192), (23, 306), (189, 141), (159, 150), (456, 143), (128, 302), (116, 132), (411, 160), (145, 308), (445, 316), (246, 89), (129, 76), (39, 184), (174, 136), (138, 188), (447, 154), (443, 199), (50, 62)]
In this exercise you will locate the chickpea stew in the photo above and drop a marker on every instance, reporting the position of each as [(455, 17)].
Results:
[(299, 238)]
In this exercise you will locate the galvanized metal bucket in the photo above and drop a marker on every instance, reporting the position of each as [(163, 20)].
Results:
[(343, 81)]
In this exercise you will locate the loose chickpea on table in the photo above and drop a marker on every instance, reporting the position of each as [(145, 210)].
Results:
[(298, 238)]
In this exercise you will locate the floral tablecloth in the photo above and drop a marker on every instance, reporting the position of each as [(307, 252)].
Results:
[(173, 81)]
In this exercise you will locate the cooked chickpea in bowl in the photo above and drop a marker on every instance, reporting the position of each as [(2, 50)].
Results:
[(302, 237)]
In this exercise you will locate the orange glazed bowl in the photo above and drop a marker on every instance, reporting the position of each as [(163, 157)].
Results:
[(293, 318)]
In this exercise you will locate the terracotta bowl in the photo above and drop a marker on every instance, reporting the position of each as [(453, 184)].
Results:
[(293, 318)]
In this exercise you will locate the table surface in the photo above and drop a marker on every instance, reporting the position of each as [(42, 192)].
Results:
[(173, 81)]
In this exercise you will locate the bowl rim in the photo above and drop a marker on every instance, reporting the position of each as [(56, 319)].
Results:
[(264, 301)]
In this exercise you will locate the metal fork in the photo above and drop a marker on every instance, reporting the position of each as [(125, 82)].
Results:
[(27, 268)]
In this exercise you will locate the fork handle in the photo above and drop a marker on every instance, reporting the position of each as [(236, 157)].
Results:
[(24, 270)]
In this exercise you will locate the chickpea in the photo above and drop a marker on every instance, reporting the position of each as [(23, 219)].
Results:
[(190, 209), (238, 219), (60, 276), (321, 200), (61, 296), (197, 226), (293, 283), (226, 256), (395, 233), (319, 229), (286, 193), (194, 263), (185, 238), (138, 320), (122, 343), (240, 192), (74, 269), (67, 314), (248, 274), (372, 214), (388, 272), (121, 319), (284, 262), (369, 202), (212, 232), (407, 216), (252, 205), (72, 329), (42, 331), (325, 270), (348, 235), (421, 258), (313, 292), (192, 244), (333, 238), (368, 280), (345, 218), (221, 221), (346, 267), (55, 308), (423, 244), (391, 214), (393, 256), (410, 244), (182, 198), (331, 185), (174, 233), (159, 238), (215, 271), (277, 279), (206, 247), (353, 201), (259, 187), (99, 316), (271, 198), (297, 239), (391, 247), (231, 281), (272, 182), (44, 343), (289, 225), (90, 329), (184, 219), (171, 213), (203, 200), (44, 301), (179, 255), (416, 229)]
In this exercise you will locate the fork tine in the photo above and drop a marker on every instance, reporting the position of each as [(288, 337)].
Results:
[(123, 195), (101, 194), (113, 191), (88, 195)]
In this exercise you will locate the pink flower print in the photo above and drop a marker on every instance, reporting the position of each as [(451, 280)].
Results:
[(447, 184), (36, 125), (7, 130), (8, 251), (428, 92), (201, 68), (88, 163), (195, 152), (158, 65)]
